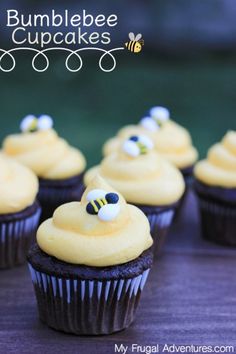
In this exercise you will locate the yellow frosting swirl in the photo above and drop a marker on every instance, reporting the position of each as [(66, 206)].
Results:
[(72, 235), (171, 141), (219, 168), (45, 153), (18, 186), (147, 179)]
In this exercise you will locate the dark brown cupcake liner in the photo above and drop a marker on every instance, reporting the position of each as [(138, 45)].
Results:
[(17, 231), (218, 221), (53, 193), (187, 173), (224, 196), (160, 220), (87, 307)]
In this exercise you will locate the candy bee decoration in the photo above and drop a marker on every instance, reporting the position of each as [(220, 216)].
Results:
[(31, 124), (157, 115), (137, 145), (103, 204)]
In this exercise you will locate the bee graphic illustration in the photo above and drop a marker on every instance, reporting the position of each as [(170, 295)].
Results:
[(137, 145), (135, 44), (103, 204)]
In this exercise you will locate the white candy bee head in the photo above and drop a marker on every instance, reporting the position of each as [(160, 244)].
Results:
[(31, 123), (103, 204), (159, 114), (137, 145)]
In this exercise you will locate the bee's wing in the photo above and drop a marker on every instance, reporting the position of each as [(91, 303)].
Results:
[(138, 37), (131, 36), (131, 148), (109, 212), (27, 122), (95, 194), (45, 122)]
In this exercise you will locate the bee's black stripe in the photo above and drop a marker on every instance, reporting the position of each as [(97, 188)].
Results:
[(133, 46), (95, 205), (100, 202)]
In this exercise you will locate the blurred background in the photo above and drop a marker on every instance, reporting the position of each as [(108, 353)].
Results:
[(188, 64)]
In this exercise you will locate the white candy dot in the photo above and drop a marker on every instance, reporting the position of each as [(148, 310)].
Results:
[(109, 212), (146, 141), (26, 122), (149, 124), (160, 113), (95, 194), (131, 148), (45, 122)]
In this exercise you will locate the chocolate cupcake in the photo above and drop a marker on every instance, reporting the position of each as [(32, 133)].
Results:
[(91, 263), (58, 166), (171, 141), (146, 180), (215, 187), (19, 212)]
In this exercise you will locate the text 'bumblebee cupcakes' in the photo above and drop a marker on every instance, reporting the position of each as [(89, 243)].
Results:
[(91, 263), (19, 211), (58, 166), (215, 186), (146, 180)]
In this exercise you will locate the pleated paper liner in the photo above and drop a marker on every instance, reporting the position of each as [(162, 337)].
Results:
[(89, 306), (217, 207), (218, 222), (160, 219), (53, 193), (17, 232)]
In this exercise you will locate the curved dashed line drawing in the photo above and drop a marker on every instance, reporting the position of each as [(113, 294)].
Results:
[(105, 53)]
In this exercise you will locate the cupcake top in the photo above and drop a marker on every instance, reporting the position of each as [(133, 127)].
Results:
[(138, 172), (170, 139), (40, 148), (219, 168), (101, 230), (18, 186)]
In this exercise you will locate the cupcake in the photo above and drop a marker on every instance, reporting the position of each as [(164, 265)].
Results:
[(146, 180), (171, 140), (19, 211), (91, 262), (58, 166), (215, 187)]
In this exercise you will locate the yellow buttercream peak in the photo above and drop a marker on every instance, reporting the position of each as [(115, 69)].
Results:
[(45, 153), (170, 140), (74, 235), (18, 186), (97, 182), (219, 168), (148, 179)]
